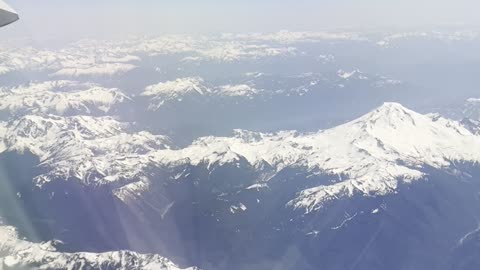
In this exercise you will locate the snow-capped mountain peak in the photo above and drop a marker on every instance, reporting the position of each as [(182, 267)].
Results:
[(388, 145), (374, 153), (416, 135)]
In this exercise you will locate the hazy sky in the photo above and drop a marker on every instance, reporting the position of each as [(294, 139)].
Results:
[(119, 17)]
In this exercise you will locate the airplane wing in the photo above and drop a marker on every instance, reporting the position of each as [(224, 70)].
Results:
[(7, 14)]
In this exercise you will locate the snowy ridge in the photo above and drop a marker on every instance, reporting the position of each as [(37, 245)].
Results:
[(253, 86), (92, 150), (212, 48), (237, 51), (109, 58), (352, 74), (174, 90), (374, 152), (369, 156), (74, 61), (16, 253), (358, 137), (357, 75), (102, 69), (392, 144), (390, 40), (59, 97), (285, 36), (244, 90), (177, 90)]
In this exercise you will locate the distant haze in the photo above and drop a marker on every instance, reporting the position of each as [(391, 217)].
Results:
[(108, 18)]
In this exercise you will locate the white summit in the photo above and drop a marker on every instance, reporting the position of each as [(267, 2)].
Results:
[(372, 154), (389, 145)]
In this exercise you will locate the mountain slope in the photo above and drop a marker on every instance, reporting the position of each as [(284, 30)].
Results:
[(21, 254), (90, 149), (59, 97)]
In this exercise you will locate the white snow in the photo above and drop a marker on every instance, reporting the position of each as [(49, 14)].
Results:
[(114, 57), (17, 253), (178, 86), (473, 100), (258, 186), (174, 90), (468, 235), (103, 69), (381, 140), (109, 58), (88, 59), (237, 90), (347, 219), (59, 97), (235, 51), (285, 36), (374, 153), (81, 145), (357, 74), (464, 35), (240, 207)]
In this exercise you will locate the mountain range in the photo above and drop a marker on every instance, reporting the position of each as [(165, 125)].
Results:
[(290, 197), (242, 151)]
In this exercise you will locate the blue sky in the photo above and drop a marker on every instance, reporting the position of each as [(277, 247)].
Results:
[(120, 17)]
